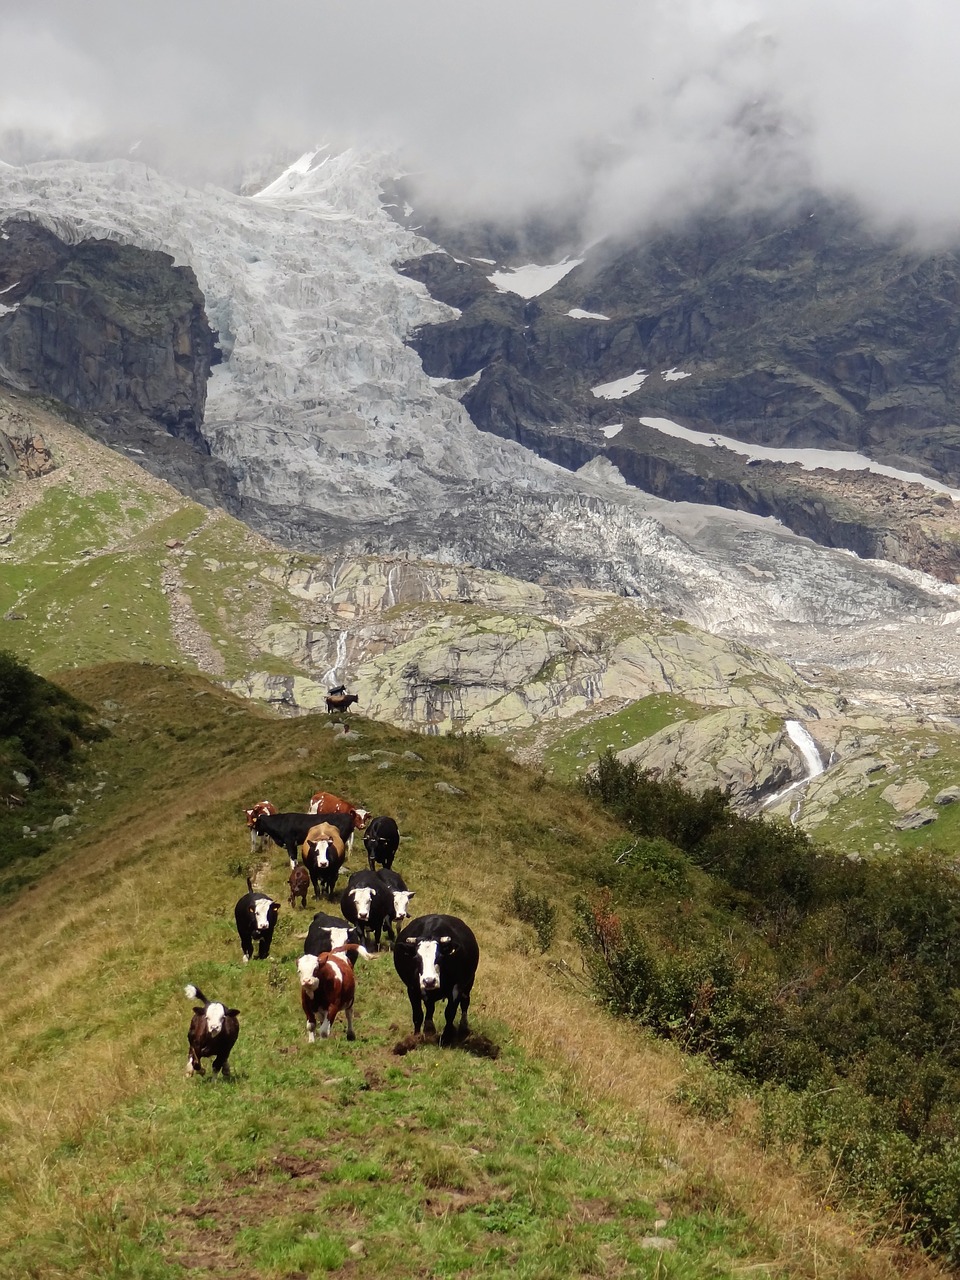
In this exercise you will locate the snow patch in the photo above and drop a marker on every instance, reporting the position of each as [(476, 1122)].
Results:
[(621, 387), (578, 313), (809, 459), (672, 375), (532, 280), (612, 430)]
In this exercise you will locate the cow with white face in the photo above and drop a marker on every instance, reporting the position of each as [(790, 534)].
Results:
[(398, 897), (332, 933), (256, 917), (436, 958), (366, 903), (327, 984)]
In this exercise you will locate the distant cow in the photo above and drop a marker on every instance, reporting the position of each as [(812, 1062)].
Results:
[(366, 902), (398, 897), (288, 830), (327, 983), (340, 701), (323, 856), (333, 933), (436, 958), (256, 840), (256, 917), (299, 882), (213, 1033), (381, 839)]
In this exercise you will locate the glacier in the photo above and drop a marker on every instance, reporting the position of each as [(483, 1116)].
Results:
[(341, 443)]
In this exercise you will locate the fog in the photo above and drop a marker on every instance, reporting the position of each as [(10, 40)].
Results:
[(635, 112)]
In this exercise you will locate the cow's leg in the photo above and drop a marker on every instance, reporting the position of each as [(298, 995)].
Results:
[(348, 1014), (311, 1029), (263, 950), (221, 1066), (416, 1005), (291, 848), (431, 1002), (190, 1066), (327, 1024)]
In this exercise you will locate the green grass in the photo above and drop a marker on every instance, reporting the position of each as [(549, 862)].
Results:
[(338, 1158), (576, 751)]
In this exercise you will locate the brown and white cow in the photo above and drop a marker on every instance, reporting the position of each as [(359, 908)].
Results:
[(212, 1034), (257, 841), (323, 853), (327, 802), (327, 984)]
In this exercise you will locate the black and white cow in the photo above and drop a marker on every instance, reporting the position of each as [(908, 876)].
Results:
[(381, 839), (288, 830), (331, 933), (436, 958), (366, 902), (256, 917), (399, 898), (212, 1034)]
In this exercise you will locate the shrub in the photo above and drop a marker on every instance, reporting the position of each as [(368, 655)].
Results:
[(535, 909)]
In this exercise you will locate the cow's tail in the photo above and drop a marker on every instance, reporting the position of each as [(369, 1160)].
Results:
[(357, 947), (194, 993)]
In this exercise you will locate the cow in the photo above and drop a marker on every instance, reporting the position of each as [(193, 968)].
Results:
[(256, 840), (346, 823), (366, 902), (323, 856), (398, 896), (288, 830), (381, 839), (333, 933), (326, 802), (256, 917), (327, 983), (213, 1033), (340, 702), (436, 958), (299, 882)]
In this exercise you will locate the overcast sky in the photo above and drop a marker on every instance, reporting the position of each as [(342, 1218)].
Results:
[(649, 107)]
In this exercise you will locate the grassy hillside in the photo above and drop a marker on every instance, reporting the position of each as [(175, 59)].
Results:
[(564, 1156)]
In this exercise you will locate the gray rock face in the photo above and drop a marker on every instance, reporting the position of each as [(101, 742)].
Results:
[(104, 327), (916, 818)]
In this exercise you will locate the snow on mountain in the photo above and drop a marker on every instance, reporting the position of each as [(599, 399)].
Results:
[(339, 439), (531, 280)]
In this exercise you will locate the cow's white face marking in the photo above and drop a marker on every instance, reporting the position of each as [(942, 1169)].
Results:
[(216, 1013), (361, 900), (401, 900), (262, 907), (307, 969), (338, 938), (321, 851), (429, 972), (362, 814)]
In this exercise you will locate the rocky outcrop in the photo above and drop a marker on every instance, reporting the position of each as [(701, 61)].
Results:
[(107, 328)]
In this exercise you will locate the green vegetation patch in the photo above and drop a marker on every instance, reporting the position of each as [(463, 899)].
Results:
[(575, 752)]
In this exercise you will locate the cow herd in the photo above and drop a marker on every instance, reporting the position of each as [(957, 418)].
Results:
[(435, 956)]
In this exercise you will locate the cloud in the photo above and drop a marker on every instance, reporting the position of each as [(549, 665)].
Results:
[(635, 111)]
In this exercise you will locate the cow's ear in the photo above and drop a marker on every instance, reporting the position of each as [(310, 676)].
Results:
[(412, 894), (198, 1008), (405, 942), (232, 1013)]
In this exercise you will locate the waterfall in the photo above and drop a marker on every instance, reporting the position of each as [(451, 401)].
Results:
[(812, 763), (330, 676)]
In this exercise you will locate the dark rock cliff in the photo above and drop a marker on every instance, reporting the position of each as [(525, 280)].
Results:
[(106, 328)]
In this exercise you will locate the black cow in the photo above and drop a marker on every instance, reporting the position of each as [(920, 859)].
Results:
[(256, 917), (436, 958), (381, 839), (329, 933), (399, 898), (288, 830), (367, 903)]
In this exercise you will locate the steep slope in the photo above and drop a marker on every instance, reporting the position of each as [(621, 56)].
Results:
[(101, 562), (565, 1156)]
